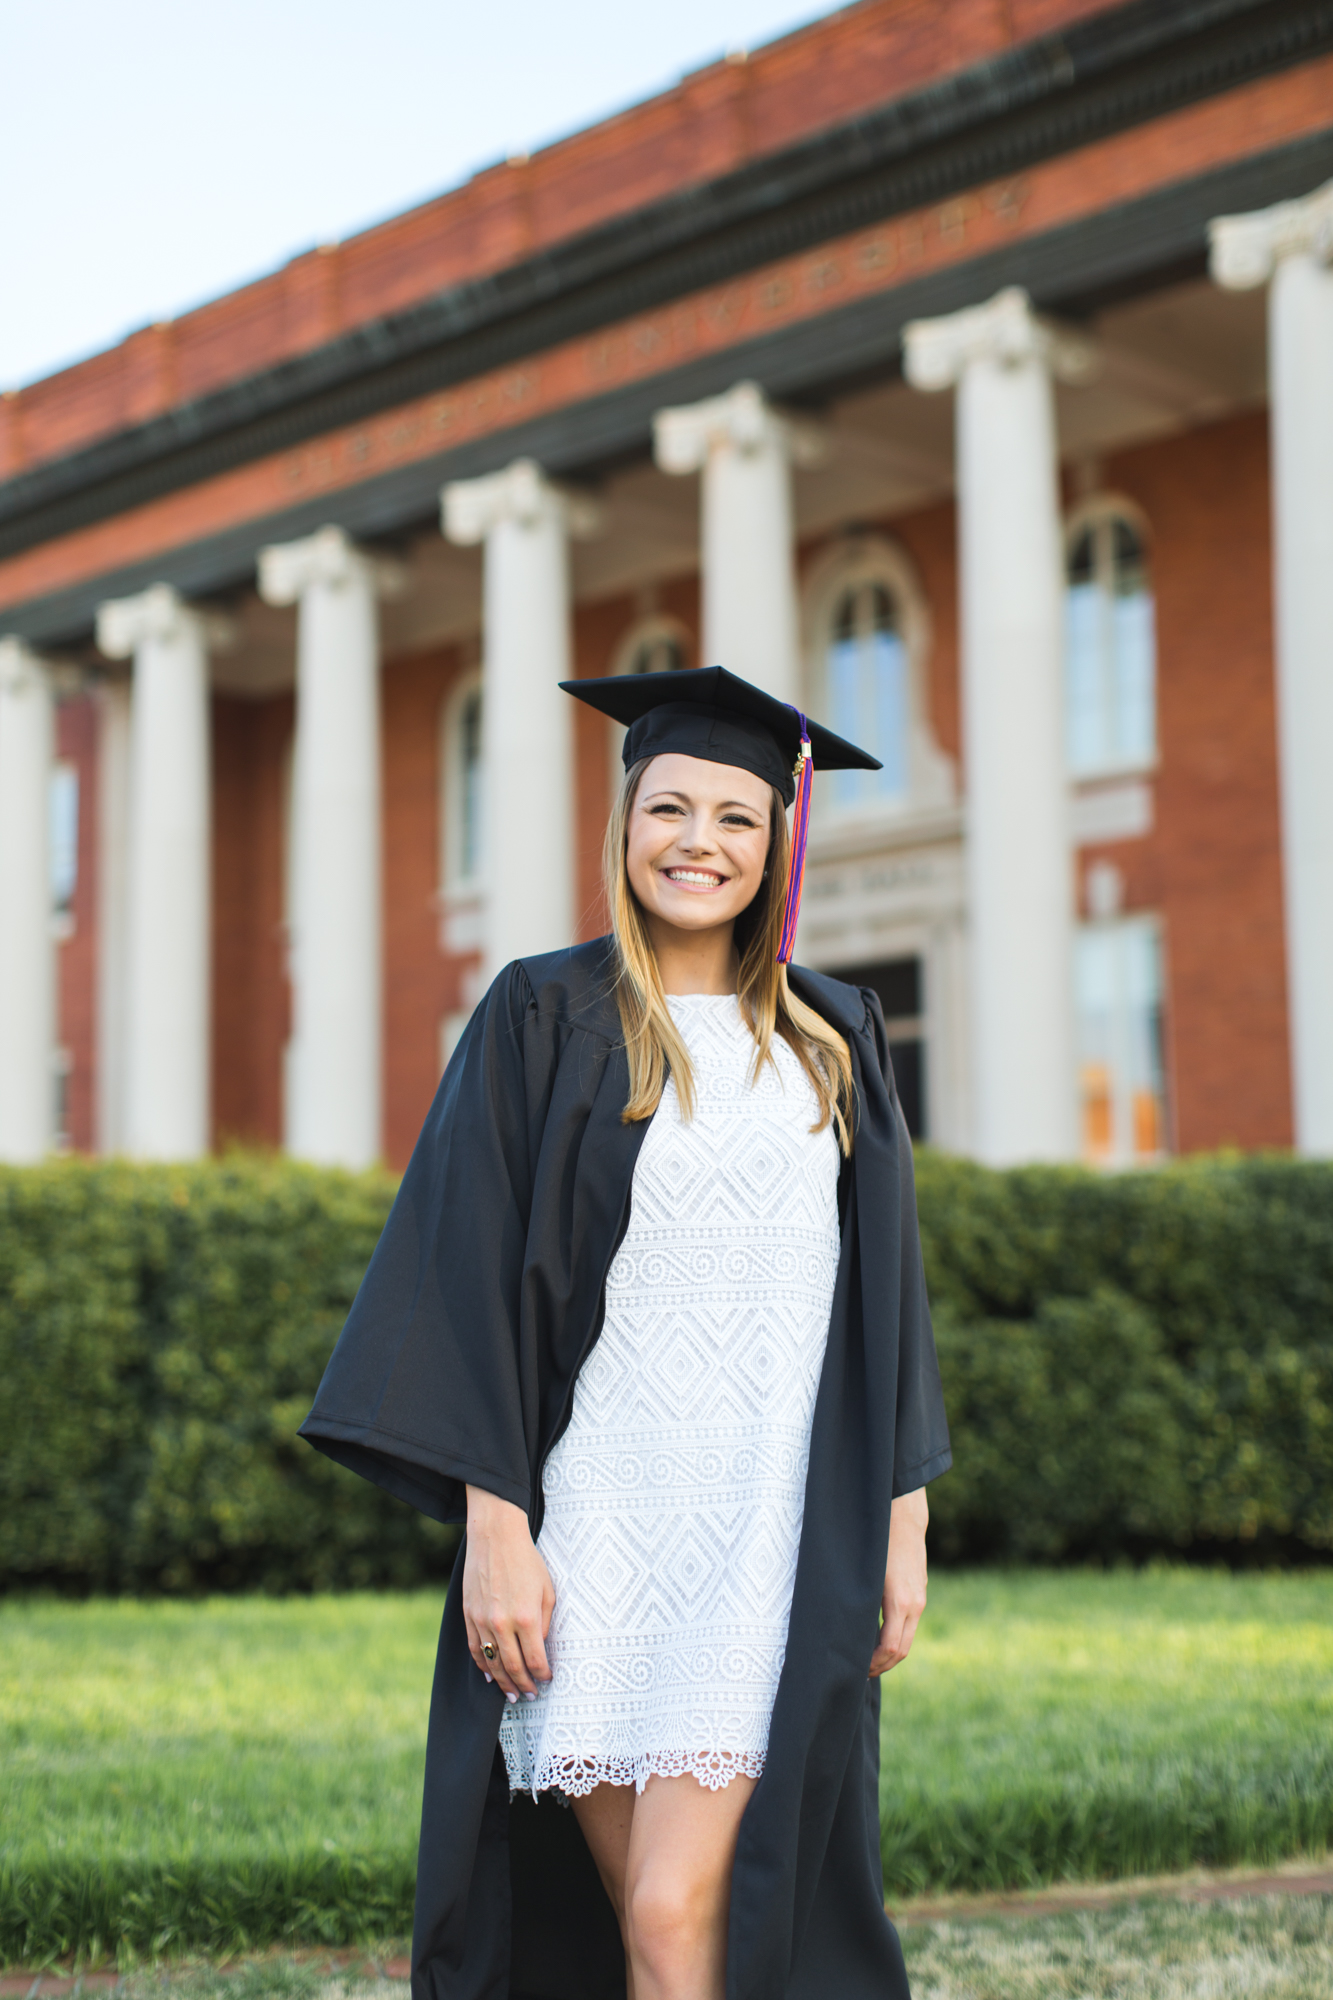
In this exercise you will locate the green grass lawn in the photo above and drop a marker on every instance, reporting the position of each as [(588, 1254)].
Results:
[(247, 1771), (1065, 1724)]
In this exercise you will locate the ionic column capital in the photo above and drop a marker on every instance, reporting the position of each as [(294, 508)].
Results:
[(329, 556), (1245, 250), (937, 352), (160, 613), (521, 494), (742, 419)]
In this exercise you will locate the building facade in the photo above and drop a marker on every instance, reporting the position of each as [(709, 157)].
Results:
[(960, 372)]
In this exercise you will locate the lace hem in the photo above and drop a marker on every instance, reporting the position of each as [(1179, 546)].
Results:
[(575, 1777)]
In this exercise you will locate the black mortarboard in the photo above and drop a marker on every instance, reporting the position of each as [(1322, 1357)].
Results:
[(707, 712)]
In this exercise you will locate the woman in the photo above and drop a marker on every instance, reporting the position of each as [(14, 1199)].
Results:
[(648, 1313)]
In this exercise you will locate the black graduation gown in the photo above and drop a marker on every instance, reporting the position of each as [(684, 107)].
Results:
[(457, 1366)]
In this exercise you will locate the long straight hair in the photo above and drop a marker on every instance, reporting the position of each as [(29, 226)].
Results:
[(655, 1045)]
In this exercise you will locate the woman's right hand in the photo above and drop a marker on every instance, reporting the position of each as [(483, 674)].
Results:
[(508, 1596)]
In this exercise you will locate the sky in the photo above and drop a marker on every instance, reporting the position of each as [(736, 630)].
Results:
[(155, 153)]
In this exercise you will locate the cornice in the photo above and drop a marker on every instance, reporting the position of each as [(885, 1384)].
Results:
[(1104, 75), (1070, 270)]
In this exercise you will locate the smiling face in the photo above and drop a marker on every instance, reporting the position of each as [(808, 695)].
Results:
[(697, 842)]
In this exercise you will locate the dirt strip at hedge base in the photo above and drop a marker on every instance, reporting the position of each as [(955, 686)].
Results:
[(1297, 1879)]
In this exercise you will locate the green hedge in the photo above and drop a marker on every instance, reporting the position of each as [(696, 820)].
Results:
[(162, 1330), (1132, 1364)]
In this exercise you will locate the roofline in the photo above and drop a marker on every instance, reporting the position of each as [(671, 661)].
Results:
[(1110, 72), (1158, 238)]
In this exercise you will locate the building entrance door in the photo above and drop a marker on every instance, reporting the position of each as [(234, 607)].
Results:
[(898, 982)]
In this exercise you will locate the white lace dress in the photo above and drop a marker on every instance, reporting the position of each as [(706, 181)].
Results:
[(674, 1498)]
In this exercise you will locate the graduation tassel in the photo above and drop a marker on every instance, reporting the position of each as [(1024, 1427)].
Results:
[(800, 828)]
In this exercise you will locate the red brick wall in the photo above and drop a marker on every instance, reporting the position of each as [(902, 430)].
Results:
[(76, 958), (422, 982), (1212, 865), (251, 997), (1210, 868), (710, 122)]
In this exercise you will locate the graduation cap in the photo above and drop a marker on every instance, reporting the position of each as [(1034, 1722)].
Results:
[(708, 713)]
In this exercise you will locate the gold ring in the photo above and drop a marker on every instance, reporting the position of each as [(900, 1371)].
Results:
[(490, 1651)]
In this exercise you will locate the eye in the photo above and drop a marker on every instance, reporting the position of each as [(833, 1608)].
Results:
[(667, 809), (739, 821)]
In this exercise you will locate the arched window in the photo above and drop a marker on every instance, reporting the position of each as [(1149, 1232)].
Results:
[(1110, 641), (656, 645), (867, 640), (462, 774), (868, 696), (658, 648)]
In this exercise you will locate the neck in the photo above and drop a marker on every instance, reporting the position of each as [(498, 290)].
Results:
[(695, 961)]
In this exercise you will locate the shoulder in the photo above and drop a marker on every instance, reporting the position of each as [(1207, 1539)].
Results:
[(573, 988), (850, 1009)]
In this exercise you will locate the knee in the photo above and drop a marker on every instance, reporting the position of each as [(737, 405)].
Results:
[(666, 1921)]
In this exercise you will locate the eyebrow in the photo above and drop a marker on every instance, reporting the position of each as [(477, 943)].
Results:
[(725, 805)]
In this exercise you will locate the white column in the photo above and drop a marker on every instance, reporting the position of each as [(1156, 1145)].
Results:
[(113, 843), (168, 903), (333, 1112), (745, 451), (27, 956), (528, 860), (1020, 892), (1290, 248)]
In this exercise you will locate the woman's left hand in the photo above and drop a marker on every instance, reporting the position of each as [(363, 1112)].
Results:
[(904, 1580)]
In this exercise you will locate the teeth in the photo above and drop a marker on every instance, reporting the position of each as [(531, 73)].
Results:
[(686, 875)]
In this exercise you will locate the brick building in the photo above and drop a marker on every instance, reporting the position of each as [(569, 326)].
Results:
[(961, 369)]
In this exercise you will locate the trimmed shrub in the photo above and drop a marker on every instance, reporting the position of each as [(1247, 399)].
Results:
[(1136, 1363), (162, 1330), (1133, 1364)]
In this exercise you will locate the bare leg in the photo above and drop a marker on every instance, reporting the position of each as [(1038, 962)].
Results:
[(605, 1817), (682, 1842)]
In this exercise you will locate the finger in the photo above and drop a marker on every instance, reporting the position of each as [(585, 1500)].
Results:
[(476, 1639), (891, 1631), (534, 1650), (493, 1669), (519, 1680), (474, 1643), (895, 1639), (910, 1624)]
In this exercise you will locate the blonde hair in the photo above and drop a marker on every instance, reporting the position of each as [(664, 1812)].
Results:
[(654, 1044)]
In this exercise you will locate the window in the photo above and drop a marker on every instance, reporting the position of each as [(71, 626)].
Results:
[(867, 642), (468, 777), (898, 983), (1110, 645), (463, 777), (656, 645), (1118, 982), (661, 650), (868, 696), (64, 826)]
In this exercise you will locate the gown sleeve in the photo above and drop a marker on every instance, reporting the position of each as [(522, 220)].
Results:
[(423, 1394), (921, 1439)]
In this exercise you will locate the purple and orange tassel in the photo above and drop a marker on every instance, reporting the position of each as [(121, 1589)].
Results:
[(800, 829)]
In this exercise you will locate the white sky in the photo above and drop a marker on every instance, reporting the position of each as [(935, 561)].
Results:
[(154, 153)]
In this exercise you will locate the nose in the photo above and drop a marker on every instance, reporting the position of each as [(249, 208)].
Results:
[(696, 835)]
